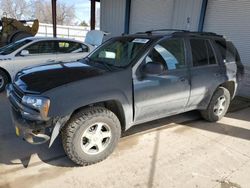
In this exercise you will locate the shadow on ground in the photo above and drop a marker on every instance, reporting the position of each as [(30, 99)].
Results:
[(14, 151)]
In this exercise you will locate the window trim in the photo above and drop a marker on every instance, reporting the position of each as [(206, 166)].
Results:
[(215, 54)]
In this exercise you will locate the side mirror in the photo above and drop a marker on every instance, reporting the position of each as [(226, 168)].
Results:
[(153, 68), (24, 52)]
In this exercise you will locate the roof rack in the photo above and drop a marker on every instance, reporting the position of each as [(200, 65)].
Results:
[(159, 30), (206, 33), (180, 30)]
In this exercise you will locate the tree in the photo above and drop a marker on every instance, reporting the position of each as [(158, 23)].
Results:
[(40, 9), (43, 12), (18, 9), (83, 23)]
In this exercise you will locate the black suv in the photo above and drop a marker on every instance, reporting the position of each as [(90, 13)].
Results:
[(126, 81)]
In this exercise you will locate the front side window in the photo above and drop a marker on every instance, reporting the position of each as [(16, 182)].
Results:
[(71, 47), (119, 52), (202, 52), (13, 47), (42, 47), (169, 53)]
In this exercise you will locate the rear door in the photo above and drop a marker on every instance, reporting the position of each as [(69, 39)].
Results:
[(71, 51), (206, 73), (157, 96)]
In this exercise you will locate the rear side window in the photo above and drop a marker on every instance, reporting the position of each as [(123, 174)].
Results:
[(227, 50), (71, 47), (202, 52)]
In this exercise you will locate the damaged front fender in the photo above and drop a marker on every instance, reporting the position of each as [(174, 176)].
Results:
[(58, 126)]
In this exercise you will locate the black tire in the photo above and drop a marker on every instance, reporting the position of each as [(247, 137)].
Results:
[(83, 121), (211, 113), (4, 80)]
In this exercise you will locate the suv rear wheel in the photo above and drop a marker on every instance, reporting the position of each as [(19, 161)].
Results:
[(218, 105), (91, 135)]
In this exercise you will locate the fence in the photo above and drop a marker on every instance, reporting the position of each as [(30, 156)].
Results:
[(75, 32)]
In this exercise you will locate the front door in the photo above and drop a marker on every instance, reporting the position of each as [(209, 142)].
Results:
[(41, 52), (157, 96)]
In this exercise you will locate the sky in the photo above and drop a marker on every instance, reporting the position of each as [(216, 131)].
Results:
[(82, 9)]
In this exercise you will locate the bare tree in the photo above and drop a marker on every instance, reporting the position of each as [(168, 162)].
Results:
[(40, 9), (18, 9), (43, 12)]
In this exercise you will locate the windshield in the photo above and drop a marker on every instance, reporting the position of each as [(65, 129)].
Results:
[(13, 47), (119, 52)]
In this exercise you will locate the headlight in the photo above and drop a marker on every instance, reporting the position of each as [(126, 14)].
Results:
[(39, 103)]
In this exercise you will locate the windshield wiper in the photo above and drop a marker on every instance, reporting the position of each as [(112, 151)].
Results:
[(106, 65)]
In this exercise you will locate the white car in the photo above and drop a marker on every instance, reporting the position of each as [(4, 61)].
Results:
[(38, 50)]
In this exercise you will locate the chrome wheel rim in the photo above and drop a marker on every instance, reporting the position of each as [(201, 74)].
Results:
[(220, 106), (1, 81), (96, 138)]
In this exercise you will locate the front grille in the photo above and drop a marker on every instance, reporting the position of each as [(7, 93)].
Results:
[(18, 94)]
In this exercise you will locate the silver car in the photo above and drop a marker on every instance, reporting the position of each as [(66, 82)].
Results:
[(38, 50)]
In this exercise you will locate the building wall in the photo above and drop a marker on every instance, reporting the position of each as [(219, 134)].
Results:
[(112, 16), (160, 14), (186, 14), (150, 14)]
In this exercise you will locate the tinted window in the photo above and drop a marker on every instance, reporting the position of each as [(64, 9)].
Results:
[(71, 47), (119, 51), (199, 52), (227, 50), (170, 53), (13, 47), (42, 47)]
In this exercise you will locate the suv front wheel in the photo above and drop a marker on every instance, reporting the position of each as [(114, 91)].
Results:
[(218, 105), (91, 135)]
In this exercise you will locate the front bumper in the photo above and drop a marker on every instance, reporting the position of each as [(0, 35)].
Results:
[(28, 124), (33, 132)]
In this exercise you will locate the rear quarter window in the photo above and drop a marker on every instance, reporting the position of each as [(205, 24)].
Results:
[(227, 50)]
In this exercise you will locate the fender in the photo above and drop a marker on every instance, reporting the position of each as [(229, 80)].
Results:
[(115, 86)]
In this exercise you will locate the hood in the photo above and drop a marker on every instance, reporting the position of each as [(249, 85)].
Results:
[(43, 78)]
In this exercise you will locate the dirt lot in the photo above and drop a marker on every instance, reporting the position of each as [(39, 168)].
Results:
[(180, 151)]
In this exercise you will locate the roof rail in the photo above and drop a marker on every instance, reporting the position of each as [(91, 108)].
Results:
[(159, 30), (206, 33), (180, 30)]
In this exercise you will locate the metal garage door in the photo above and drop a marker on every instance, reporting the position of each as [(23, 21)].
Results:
[(158, 14), (112, 16), (232, 19), (148, 15)]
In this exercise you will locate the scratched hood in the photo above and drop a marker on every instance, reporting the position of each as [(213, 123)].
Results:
[(45, 77)]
